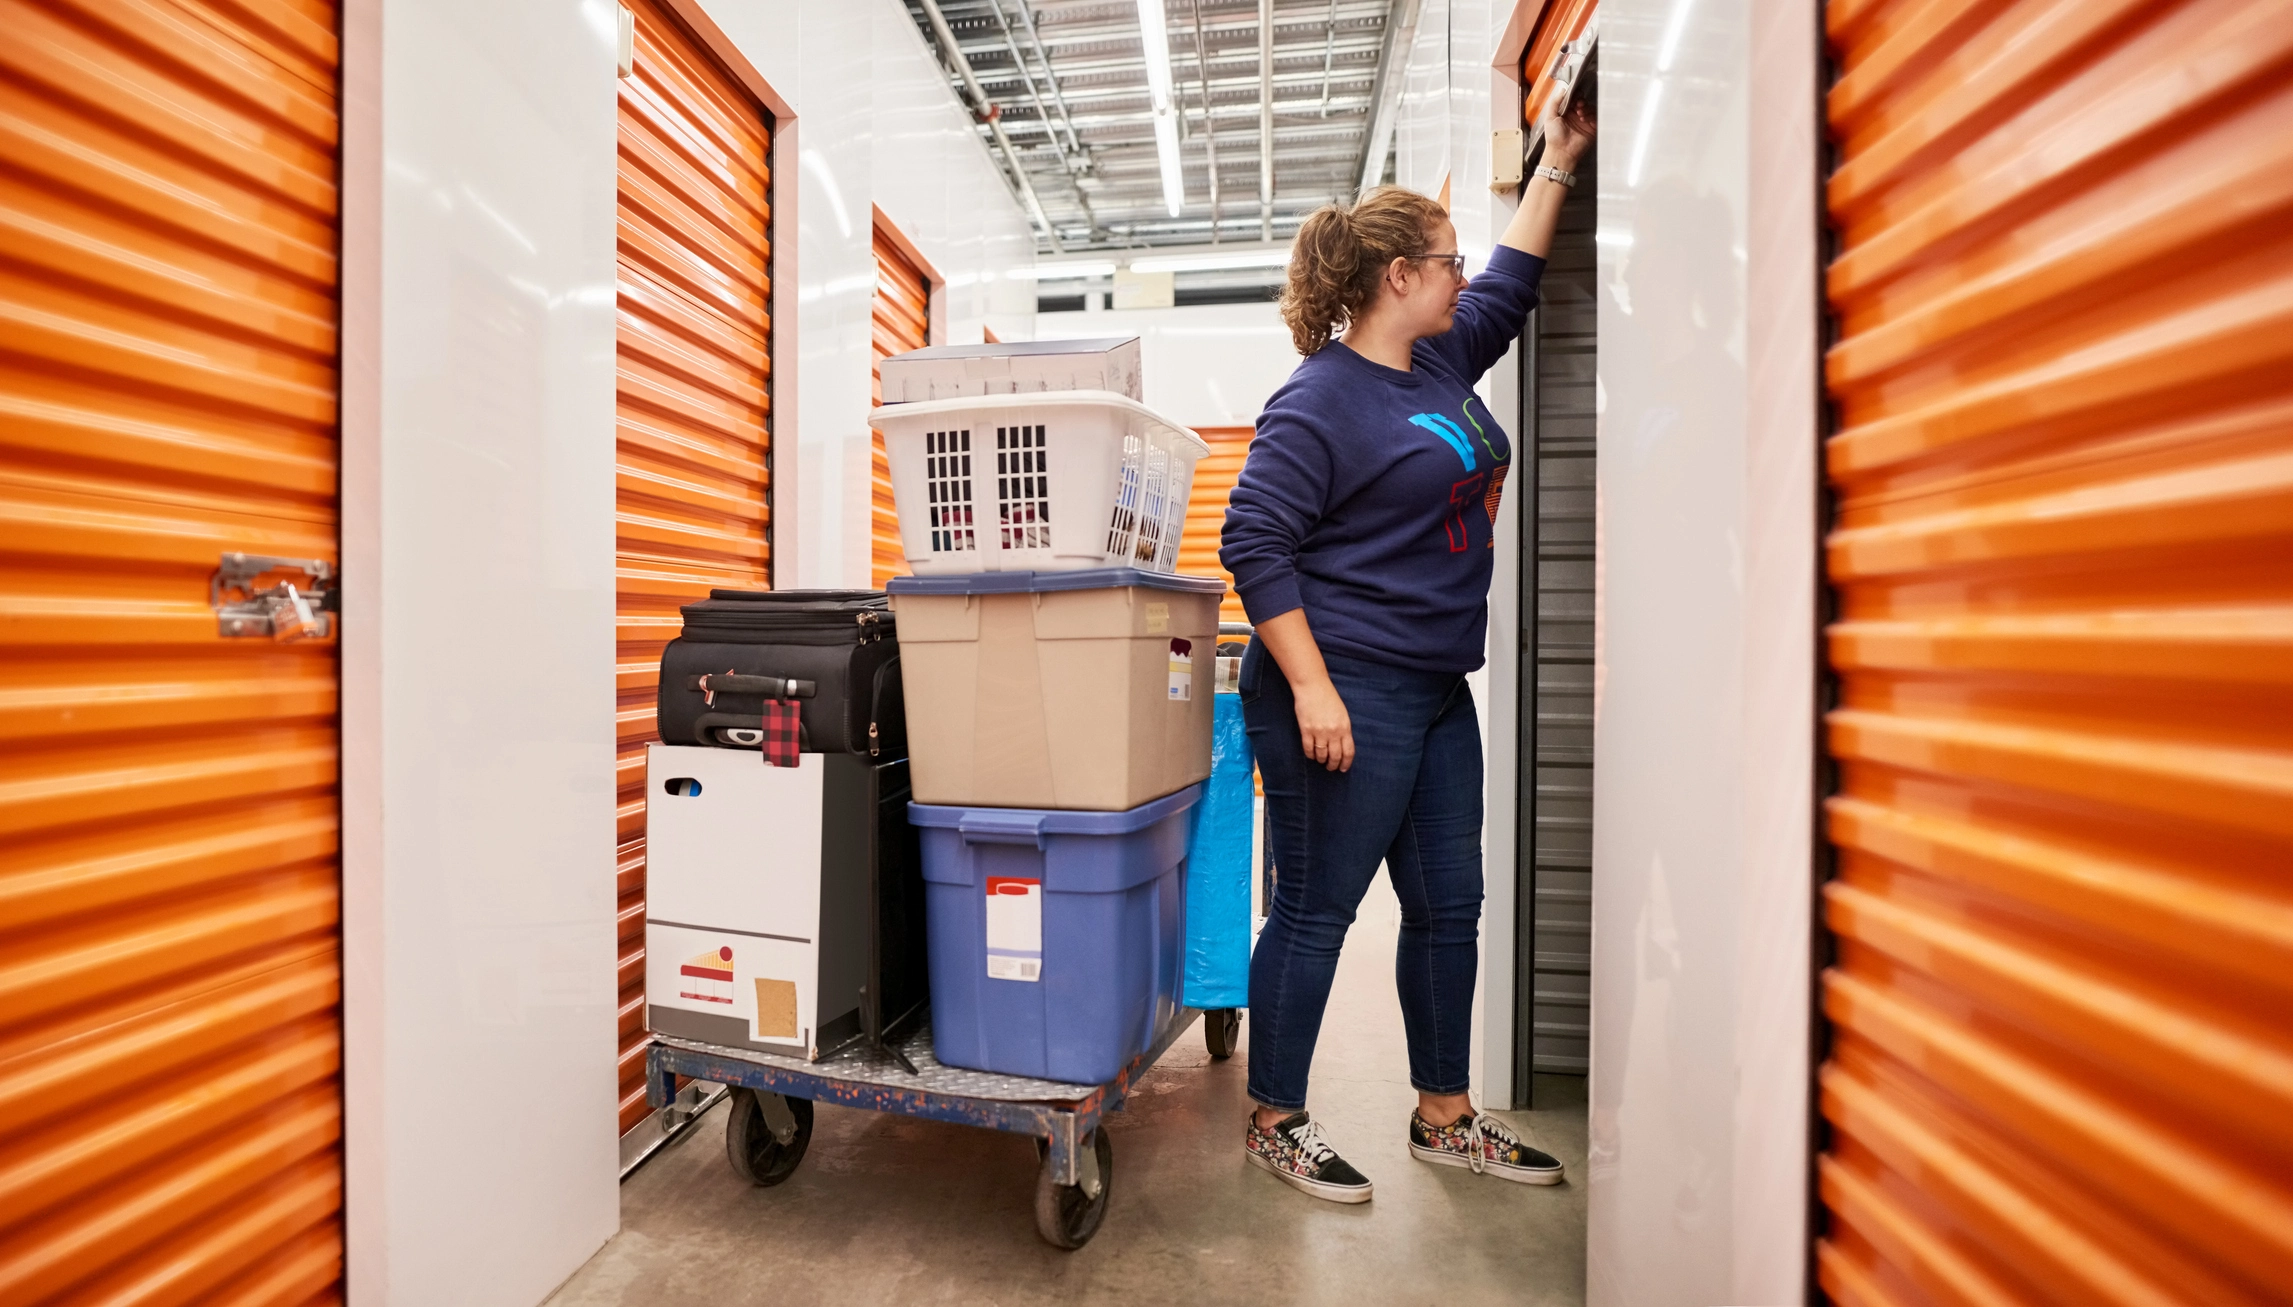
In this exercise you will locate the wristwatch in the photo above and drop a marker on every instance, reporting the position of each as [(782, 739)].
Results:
[(1567, 179)]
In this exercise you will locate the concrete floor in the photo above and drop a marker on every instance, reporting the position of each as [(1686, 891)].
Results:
[(888, 1209)]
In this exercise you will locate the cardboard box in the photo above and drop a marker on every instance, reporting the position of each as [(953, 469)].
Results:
[(1016, 368), (1083, 691)]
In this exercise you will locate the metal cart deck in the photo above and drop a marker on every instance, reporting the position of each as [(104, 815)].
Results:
[(770, 1122)]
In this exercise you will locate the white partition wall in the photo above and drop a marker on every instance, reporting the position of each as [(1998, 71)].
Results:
[(1704, 731), (477, 474)]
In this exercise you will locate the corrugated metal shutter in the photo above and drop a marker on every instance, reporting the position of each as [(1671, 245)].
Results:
[(1214, 479), (2061, 1063), (1555, 915), (693, 505), (902, 321), (170, 1035)]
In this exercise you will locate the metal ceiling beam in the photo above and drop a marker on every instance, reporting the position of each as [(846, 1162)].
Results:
[(1392, 72), (989, 112), (1068, 79)]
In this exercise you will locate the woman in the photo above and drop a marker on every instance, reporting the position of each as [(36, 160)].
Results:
[(1360, 540)]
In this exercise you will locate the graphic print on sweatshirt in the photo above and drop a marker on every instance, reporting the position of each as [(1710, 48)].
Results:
[(1465, 492)]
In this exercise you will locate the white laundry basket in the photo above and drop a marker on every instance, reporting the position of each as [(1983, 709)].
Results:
[(1048, 482)]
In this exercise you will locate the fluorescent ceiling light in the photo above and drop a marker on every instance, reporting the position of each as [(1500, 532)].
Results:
[(1154, 43), (1213, 262), (1062, 271)]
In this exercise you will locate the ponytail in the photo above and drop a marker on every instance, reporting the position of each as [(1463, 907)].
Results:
[(1340, 254)]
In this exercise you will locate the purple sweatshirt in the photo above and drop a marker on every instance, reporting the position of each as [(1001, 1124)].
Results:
[(1370, 495)]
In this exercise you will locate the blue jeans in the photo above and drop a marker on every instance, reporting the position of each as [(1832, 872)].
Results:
[(1413, 802)]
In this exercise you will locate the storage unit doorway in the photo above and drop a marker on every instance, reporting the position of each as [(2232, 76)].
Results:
[(171, 1032), (1558, 458), (1214, 479), (900, 320), (693, 504)]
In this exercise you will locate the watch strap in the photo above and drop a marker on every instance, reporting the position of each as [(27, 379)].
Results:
[(1567, 179)]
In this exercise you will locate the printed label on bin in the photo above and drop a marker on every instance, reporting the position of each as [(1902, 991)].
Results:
[(707, 976), (1014, 928), (1182, 669)]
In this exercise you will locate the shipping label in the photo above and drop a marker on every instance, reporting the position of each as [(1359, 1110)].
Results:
[(1181, 669), (1014, 928)]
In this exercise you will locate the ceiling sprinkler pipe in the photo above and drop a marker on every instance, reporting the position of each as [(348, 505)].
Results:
[(989, 112), (1265, 120)]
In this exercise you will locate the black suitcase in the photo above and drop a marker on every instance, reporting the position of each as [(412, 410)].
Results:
[(833, 651)]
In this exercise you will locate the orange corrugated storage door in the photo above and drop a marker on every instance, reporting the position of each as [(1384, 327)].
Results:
[(1214, 479), (1563, 21), (693, 504), (2061, 1006), (170, 1035), (902, 322)]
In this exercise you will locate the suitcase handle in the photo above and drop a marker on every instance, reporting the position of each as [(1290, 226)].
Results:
[(710, 721), (771, 687), (982, 826)]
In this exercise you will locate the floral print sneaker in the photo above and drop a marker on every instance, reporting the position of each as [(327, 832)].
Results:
[(1297, 1152), (1483, 1143)]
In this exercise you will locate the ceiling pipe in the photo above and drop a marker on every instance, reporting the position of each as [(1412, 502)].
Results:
[(1058, 97), (1265, 120), (1329, 52), (1068, 163), (1385, 92), (989, 114)]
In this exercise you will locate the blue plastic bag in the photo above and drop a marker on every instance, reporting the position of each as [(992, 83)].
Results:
[(1218, 870)]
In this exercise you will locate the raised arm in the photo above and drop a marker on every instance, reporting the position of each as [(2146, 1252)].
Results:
[(1531, 230)]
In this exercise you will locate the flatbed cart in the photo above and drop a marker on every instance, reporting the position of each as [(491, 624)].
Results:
[(770, 1106)]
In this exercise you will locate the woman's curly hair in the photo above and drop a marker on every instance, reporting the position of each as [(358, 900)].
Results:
[(1342, 251)]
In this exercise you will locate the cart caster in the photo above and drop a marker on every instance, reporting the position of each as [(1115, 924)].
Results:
[(1222, 1030), (755, 1147), (1067, 1215)]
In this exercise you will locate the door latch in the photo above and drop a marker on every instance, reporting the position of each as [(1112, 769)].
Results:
[(278, 612)]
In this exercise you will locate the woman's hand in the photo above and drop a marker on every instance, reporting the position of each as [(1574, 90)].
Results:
[(1324, 726), (1568, 136)]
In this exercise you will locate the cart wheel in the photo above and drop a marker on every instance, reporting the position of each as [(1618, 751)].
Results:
[(1222, 1030), (756, 1156), (1065, 1216)]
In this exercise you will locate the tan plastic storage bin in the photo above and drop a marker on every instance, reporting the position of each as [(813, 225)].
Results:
[(1080, 690)]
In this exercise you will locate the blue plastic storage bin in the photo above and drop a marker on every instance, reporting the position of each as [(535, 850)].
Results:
[(1218, 870), (1056, 938)]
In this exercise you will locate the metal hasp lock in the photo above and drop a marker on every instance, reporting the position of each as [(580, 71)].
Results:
[(278, 612)]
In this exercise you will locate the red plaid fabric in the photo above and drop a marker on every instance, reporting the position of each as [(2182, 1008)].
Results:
[(783, 733)]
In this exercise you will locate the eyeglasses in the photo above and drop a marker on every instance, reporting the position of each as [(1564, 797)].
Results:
[(1456, 262)]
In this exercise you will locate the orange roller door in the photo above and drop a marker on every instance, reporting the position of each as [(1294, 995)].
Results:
[(693, 458), (1214, 479), (902, 322), (2061, 1005), (170, 1026), (1561, 22)]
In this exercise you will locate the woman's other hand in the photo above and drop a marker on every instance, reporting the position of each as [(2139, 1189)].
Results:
[(1324, 726)]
